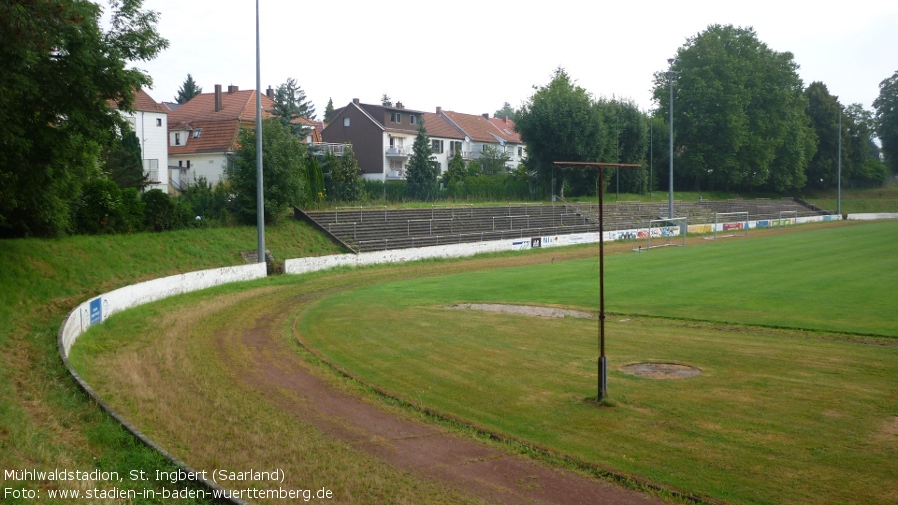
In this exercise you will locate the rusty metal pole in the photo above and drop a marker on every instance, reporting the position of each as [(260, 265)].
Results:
[(603, 361)]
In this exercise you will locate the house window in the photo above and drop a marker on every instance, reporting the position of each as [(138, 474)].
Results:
[(177, 139), (196, 133), (437, 146), (396, 117), (413, 119), (188, 163), (345, 121), (520, 152), (181, 164), (158, 121)]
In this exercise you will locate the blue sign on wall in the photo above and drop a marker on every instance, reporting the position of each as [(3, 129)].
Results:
[(96, 311)]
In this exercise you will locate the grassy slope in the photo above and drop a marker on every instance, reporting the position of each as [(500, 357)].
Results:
[(45, 422), (780, 408)]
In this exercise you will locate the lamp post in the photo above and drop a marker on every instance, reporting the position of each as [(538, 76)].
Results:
[(260, 202), (670, 76), (651, 157), (839, 183)]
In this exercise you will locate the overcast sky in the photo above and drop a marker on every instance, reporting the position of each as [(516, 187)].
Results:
[(471, 56)]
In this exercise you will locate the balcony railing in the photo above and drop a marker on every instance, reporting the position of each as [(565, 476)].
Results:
[(321, 148), (468, 155), (398, 151)]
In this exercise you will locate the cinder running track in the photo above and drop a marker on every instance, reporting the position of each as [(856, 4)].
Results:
[(274, 369)]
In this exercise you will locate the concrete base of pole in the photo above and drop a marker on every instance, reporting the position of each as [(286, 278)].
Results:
[(603, 378)]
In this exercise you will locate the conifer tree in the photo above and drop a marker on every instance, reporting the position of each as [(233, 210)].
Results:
[(188, 90), (422, 168)]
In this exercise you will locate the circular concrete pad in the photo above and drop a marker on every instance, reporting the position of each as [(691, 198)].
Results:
[(661, 370)]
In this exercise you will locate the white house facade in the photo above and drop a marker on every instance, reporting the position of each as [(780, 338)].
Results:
[(149, 120)]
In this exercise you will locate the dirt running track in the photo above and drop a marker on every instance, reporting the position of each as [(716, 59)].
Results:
[(278, 372)]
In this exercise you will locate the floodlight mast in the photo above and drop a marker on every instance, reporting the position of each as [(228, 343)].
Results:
[(260, 202), (670, 76), (603, 360)]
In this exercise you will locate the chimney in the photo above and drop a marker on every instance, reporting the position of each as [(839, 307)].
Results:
[(232, 89), (439, 110), (355, 101), (399, 105), (486, 116), (505, 118), (217, 97), (269, 92)]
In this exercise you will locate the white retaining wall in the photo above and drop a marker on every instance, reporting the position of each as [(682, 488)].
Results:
[(96, 310), (306, 265), (871, 216)]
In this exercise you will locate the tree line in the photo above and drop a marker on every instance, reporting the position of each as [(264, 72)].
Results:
[(743, 121)]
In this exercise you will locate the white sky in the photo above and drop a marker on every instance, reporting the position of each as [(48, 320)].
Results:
[(471, 56)]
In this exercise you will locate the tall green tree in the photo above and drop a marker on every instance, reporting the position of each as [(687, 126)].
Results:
[(626, 134), (123, 162), (59, 71), (739, 112), (329, 111), (188, 90), (507, 111), (422, 170), (316, 192), (862, 153), (346, 179), (290, 103), (824, 110), (493, 161), (386, 101), (284, 180), (886, 106), (457, 171), (560, 122)]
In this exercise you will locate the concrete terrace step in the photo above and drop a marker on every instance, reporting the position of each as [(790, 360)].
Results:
[(378, 228)]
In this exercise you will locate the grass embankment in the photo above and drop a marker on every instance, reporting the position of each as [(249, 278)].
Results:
[(805, 415), (46, 423), (858, 201)]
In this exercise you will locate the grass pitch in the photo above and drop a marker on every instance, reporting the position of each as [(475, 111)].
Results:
[(794, 334)]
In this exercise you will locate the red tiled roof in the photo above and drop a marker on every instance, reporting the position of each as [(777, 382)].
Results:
[(437, 126), (235, 105), (481, 129), (214, 137), (143, 102), (219, 129), (506, 127), (315, 127)]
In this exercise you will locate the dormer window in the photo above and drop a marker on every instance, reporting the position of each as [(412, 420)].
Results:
[(413, 119), (396, 117), (196, 133), (177, 139)]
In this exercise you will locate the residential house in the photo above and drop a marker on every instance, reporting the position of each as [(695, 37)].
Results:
[(149, 121), (382, 137), (470, 134), (203, 133)]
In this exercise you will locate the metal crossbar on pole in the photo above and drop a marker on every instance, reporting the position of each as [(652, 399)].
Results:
[(603, 360)]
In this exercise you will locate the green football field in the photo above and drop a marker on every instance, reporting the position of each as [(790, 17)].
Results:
[(795, 335)]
